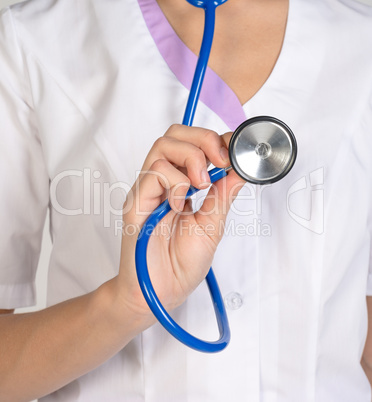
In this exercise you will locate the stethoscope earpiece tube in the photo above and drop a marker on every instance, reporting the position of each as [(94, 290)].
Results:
[(152, 299), (262, 150), (141, 248)]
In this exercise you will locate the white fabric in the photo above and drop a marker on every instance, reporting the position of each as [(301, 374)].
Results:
[(83, 88)]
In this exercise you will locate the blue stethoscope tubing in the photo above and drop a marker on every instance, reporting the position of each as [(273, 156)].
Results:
[(215, 174)]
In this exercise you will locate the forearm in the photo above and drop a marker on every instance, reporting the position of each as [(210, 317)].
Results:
[(367, 369), (42, 351), (366, 361)]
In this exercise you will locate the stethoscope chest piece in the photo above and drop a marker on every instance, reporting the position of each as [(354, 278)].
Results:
[(262, 150)]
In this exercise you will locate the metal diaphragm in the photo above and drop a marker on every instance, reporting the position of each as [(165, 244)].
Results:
[(262, 150)]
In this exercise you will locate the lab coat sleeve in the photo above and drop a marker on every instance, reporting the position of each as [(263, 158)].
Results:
[(24, 183)]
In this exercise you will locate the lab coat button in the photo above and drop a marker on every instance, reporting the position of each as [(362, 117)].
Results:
[(233, 301)]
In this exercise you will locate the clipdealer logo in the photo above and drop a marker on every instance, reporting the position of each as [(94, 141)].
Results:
[(313, 218), (96, 195), (304, 202)]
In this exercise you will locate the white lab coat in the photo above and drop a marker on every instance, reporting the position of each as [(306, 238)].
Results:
[(86, 87)]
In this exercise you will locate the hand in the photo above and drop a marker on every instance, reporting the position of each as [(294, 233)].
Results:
[(177, 262)]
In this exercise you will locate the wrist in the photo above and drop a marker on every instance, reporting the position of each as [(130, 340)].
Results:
[(118, 314)]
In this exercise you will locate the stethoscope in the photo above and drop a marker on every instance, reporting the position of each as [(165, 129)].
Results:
[(262, 150)]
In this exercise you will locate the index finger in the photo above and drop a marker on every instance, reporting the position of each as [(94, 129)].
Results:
[(212, 144)]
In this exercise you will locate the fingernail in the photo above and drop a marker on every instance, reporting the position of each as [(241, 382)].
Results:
[(181, 205), (224, 154), (204, 176)]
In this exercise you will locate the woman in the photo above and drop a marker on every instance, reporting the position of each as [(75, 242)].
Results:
[(87, 90)]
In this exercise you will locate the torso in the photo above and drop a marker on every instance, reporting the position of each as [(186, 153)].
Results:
[(248, 39), (106, 93)]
